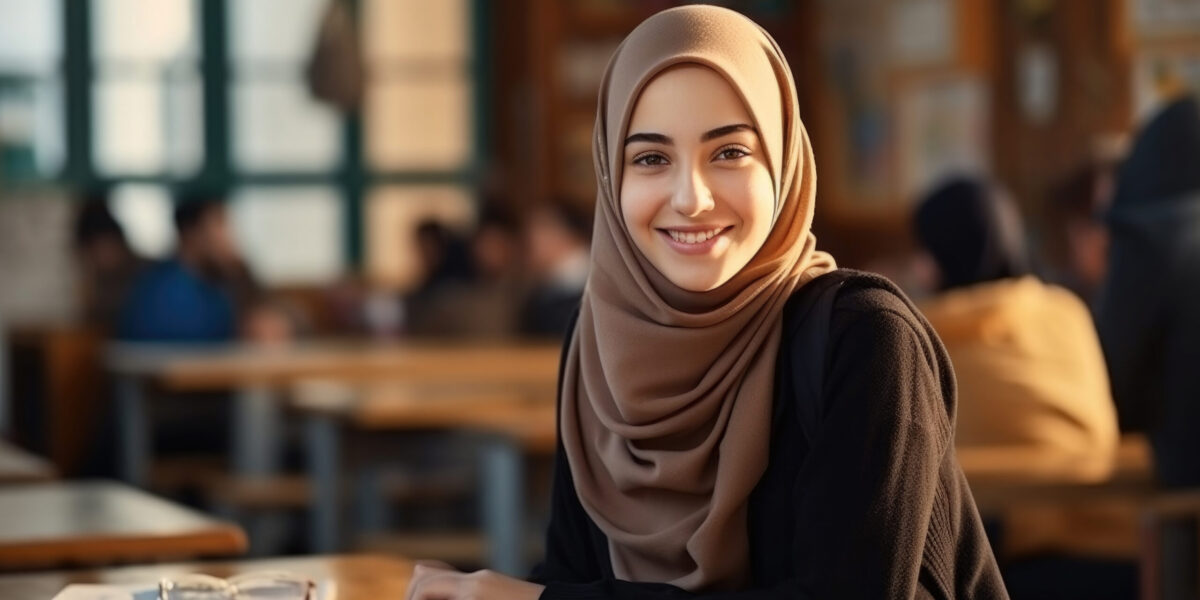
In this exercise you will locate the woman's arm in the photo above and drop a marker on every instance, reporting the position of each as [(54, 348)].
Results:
[(868, 487)]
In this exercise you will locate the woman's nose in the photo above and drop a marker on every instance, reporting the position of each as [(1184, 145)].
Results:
[(692, 196)]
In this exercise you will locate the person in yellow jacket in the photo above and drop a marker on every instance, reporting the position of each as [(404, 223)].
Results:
[(1035, 402)]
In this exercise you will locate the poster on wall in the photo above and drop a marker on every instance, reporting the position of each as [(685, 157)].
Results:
[(942, 130), (856, 65), (922, 32)]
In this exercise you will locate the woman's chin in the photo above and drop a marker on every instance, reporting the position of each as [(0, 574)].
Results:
[(698, 280)]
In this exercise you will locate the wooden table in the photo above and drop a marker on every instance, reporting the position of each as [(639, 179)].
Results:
[(257, 371), (1000, 483), (357, 577), (513, 421), (19, 466), (91, 522)]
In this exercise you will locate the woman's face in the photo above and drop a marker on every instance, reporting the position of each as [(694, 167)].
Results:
[(696, 191)]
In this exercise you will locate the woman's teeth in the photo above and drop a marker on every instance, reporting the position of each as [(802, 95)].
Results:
[(693, 237)]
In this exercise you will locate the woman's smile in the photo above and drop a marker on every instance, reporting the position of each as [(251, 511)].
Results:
[(696, 240)]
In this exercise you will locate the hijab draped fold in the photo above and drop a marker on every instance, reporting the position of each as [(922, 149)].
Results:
[(667, 394)]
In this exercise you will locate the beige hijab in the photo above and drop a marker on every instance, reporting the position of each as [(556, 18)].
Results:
[(667, 393)]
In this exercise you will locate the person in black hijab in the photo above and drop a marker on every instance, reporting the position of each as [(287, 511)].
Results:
[(1149, 309), (973, 233), (999, 324)]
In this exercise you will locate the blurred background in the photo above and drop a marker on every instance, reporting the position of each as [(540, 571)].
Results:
[(333, 136), (383, 171)]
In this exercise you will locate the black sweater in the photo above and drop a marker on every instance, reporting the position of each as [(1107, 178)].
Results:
[(874, 507)]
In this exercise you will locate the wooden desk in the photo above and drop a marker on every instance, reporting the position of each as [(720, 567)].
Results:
[(512, 420), (55, 524), (357, 577), (19, 466), (524, 412), (999, 483), (232, 365), (258, 371)]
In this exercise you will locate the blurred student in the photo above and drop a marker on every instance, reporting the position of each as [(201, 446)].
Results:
[(1032, 384), (1077, 207), (476, 298), (1149, 311), (1029, 366), (557, 238), (107, 264), (205, 292)]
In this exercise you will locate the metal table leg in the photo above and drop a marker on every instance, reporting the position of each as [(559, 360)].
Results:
[(324, 449), (257, 429), (502, 470), (133, 425), (257, 442)]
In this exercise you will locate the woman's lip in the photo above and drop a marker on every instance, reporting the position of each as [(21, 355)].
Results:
[(692, 249), (695, 228)]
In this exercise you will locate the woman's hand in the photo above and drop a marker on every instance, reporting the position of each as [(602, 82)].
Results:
[(439, 582)]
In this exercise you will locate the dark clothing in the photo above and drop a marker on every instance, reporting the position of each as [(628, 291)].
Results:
[(1162, 165), (1147, 318), (171, 303), (1149, 327), (873, 506)]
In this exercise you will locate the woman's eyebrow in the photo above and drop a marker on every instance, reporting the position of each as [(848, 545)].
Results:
[(653, 138), (725, 130)]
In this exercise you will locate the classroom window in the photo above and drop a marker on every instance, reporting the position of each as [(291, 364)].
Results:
[(290, 235), (276, 125), (145, 212), (418, 106), (31, 121), (147, 110)]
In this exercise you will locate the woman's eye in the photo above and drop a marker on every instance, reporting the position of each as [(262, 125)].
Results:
[(732, 153), (650, 160)]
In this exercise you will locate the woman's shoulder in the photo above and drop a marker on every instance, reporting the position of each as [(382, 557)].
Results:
[(870, 327), (859, 296)]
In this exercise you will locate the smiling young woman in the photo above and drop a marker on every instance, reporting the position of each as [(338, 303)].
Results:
[(737, 417)]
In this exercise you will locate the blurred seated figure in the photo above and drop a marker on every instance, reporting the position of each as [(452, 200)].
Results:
[(476, 298), (1080, 237), (557, 238), (1026, 355), (1149, 310), (205, 292), (1031, 384), (107, 264)]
